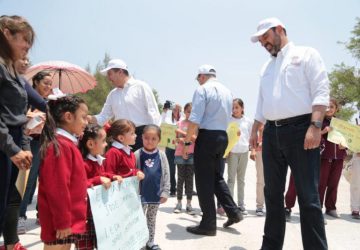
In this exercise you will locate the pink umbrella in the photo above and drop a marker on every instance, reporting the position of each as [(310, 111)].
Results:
[(69, 78)]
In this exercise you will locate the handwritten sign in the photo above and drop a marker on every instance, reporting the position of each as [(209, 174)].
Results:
[(233, 136), (168, 135), (119, 219), (345, 133)]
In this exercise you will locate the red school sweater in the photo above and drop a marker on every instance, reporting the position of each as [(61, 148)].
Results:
[(120, 163), (62, 197), (94, 171)]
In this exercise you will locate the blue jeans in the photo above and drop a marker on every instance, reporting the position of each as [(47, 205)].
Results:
[(33, 175), (282, 147), (170, 155)]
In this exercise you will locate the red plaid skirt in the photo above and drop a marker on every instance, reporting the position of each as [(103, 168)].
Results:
[(88, 241), (71, 239)]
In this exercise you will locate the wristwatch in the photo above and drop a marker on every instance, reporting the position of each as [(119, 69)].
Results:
[(316, 124), (187, 143)]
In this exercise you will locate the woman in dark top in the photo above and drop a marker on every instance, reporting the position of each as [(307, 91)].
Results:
[(42, 82), (16, 38)]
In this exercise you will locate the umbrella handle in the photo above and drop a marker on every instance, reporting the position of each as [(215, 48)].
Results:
[(60, 79)]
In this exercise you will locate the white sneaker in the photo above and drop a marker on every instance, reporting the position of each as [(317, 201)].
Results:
[(190, 210), (243, 210), (259, 211), (21, 228), (178, 208)]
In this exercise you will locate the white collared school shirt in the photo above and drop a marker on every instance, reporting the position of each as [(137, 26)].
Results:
[(291, 84), (66, 134), (135, 102)]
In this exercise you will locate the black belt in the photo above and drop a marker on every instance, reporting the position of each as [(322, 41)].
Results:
[(291, 120)]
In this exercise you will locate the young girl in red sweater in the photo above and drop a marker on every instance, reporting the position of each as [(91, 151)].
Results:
[(332, 161), (62, 197), (120, 160), (92, 146)]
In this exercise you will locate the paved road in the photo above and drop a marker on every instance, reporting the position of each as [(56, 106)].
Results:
[(343, 233)]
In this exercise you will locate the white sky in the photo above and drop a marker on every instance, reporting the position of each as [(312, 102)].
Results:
[(164, 41)]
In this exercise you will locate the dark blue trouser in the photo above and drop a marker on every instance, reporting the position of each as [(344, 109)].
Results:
[(210, 146), (33, 175), (138, 141), (282, 147), (170, 155), (8, 176)]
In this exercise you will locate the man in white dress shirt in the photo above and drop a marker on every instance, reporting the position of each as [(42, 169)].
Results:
[(130, 99), (293, 96)]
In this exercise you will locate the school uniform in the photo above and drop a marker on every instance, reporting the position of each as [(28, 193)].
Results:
[(94, 170), (120, 160), (332, 161), (94, 167), (155, 185), (62, 197)]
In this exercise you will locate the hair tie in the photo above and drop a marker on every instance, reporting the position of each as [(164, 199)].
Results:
[(107, 127)]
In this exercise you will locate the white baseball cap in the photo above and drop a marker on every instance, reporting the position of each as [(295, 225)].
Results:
[(264, 26), (207, 69), (115, 64)]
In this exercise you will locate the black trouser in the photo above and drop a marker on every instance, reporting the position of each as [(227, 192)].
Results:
[(138, 142), (170, 155), (210, 146), (12, 217), (282, 147), (8, 176)]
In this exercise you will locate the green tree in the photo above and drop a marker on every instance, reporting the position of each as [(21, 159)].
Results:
[(345, 80), (96, 97), (156, 94)]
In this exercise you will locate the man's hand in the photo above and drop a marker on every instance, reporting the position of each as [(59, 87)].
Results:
[(185, 152), (312, 138), (313, 134), (253, 155), (22, 159), (254, 134), (91, 119)]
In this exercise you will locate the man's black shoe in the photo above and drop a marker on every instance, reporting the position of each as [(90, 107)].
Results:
[(233, 220), (199, 231)]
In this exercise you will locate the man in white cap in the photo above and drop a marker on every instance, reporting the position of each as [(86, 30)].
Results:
[(210, 114), (293, 96), (130, 99)]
